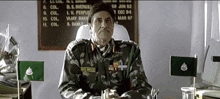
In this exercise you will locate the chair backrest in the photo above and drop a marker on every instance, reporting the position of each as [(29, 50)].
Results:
[(119, 33)]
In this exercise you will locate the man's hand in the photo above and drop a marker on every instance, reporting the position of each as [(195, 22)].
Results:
[(110, 94)]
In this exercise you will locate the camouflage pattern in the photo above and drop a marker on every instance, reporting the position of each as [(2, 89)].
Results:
[(87, 70)]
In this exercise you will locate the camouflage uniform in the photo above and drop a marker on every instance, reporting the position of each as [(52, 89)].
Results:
[(87, 70)]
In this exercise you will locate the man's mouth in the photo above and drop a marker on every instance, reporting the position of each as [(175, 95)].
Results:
[(104, 30)]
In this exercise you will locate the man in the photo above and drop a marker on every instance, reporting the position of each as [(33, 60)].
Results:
[(102, 67)]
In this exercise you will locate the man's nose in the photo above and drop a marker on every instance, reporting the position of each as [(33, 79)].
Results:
[(104, 24)]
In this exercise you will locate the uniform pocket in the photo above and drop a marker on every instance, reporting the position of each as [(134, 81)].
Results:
[(117, 76), (91, 77), (89, 74)]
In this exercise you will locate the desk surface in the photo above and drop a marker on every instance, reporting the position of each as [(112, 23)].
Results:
[(212, 94), (207, 92)]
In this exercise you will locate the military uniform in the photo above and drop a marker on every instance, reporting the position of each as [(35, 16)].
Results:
[(88, 70)]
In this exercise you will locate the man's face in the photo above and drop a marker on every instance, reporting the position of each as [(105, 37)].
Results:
[(102, 27)]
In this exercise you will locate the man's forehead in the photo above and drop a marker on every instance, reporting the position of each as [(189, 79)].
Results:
[(102, 15)]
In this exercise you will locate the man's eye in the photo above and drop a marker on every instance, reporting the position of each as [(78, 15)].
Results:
[(108, 20), (99, 20)]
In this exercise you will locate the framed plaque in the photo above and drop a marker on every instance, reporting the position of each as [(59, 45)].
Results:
[(59, 20)]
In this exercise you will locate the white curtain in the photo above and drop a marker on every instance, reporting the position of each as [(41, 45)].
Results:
[(205, 28)]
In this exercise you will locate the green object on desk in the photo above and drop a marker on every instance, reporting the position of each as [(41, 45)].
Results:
[(31, 70)]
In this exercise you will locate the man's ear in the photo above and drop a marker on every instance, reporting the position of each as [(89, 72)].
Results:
[(90, 26)]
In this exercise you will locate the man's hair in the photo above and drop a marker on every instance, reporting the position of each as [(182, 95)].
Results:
[(100, 6)]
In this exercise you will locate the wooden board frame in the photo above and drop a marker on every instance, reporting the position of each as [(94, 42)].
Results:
[(55, 37)]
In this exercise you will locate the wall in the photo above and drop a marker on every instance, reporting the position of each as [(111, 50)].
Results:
[(164, 30)]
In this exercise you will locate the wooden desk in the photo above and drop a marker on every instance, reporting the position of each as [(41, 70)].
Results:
[(7, 92)]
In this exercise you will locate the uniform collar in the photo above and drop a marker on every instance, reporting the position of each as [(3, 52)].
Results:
[(111, 46)]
